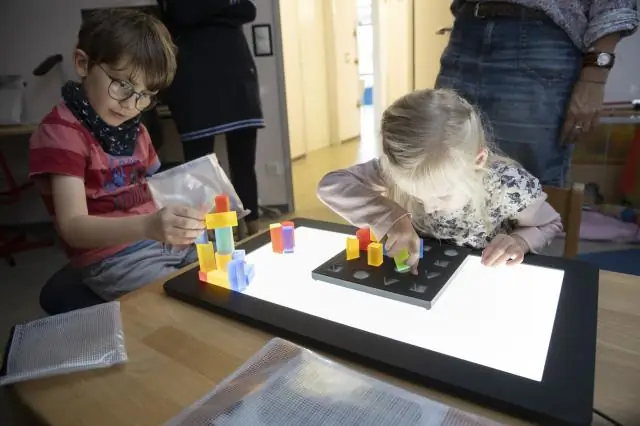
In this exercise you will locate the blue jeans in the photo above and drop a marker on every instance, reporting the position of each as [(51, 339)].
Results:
[(520, 74), (135, 267)]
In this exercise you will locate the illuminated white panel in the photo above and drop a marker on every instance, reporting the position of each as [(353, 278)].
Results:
[(501, 318)]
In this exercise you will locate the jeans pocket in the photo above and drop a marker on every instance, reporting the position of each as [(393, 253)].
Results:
[(547, 53)]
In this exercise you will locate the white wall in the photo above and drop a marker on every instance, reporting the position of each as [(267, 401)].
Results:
[(31, 30), (624, 81)]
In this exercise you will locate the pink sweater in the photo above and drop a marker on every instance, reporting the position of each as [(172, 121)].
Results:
[(357, 194)]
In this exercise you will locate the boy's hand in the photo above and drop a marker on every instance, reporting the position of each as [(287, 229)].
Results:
[(504, 250), (178, 225), (402, 235)]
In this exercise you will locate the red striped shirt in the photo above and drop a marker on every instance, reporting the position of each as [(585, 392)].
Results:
[(114, 186)]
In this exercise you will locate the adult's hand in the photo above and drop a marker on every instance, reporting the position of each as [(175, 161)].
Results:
[(584, 110)]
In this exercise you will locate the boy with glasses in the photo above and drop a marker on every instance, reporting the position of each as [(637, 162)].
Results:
[(90, 158)]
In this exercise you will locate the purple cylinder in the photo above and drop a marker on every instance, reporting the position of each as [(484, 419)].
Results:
[(287, 239)]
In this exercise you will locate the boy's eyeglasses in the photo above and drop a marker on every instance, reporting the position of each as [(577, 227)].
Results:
[(120, 91)]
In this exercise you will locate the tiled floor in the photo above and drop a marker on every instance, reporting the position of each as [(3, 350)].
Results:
[(20, 285)]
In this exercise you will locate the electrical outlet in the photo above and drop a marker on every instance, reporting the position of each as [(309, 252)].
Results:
[(274, 169)]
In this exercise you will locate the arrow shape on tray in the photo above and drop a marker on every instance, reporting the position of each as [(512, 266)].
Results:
[(389, 281), (335, 268)]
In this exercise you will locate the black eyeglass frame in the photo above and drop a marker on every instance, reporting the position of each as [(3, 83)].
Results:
[(153, 99)]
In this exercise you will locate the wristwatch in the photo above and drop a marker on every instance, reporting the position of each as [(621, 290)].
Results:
[(599, 60)]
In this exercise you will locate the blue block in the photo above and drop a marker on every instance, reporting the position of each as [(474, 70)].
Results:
[(240, 274), (232, 271), (249, 273), (239, 255), (421, 248), (202, 238), (224, 240)]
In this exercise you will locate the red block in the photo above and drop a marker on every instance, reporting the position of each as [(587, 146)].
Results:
[(277, 244), (202, 276), (222, 203), (364, 237)]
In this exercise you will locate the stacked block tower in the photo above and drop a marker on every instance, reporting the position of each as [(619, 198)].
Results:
[(282, 237), (223, 266), (366, 241)]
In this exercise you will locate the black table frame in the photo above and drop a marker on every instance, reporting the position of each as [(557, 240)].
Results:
[(564, 396)]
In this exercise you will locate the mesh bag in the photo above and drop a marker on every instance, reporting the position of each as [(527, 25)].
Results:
[(80, 340), (284, 384)]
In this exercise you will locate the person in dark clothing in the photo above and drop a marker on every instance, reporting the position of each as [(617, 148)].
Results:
[(216, 89)]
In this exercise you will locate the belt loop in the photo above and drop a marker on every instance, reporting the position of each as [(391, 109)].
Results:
[(476, 11)]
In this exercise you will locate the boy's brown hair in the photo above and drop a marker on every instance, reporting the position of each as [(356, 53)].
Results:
[(128, 38)]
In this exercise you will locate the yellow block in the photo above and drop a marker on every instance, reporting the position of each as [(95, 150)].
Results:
[(206, 257), (372, 236), (221, 220), (374, 254), (222, 260), (353, 248), (219, 278)]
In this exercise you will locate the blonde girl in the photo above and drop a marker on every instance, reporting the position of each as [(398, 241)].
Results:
[(439, 177)]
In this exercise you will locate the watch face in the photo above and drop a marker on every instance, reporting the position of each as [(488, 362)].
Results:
[(603, 59)]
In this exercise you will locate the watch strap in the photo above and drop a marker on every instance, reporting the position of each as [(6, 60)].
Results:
[(590, 59)]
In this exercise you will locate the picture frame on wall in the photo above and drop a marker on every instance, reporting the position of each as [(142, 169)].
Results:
[(262, 40)]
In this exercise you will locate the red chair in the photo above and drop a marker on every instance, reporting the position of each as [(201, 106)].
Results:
[(12, 194), (10, 243)]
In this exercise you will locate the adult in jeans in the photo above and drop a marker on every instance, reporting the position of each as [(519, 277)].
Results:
[(537, 71), (216, 88)]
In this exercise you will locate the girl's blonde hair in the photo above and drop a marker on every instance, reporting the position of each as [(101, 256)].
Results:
[(431, 139)]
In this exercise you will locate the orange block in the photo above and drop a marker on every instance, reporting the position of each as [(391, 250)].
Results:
[(277, 244), (364, 236), (222, 203)]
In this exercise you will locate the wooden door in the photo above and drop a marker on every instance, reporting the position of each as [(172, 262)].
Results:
[(292, 60), (312, 36), (343, 22), (394, 31), (432, 24)]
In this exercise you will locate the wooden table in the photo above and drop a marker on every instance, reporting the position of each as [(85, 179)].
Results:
[(18, 129), (177, 353)]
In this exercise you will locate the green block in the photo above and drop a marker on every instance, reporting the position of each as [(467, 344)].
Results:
[(401, 261)]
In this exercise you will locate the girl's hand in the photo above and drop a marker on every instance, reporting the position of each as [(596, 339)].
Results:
[(402, 235), (504, 250), (178, 225)]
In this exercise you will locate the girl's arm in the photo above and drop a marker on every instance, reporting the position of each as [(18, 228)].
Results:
[(357, 194), (538, 225)]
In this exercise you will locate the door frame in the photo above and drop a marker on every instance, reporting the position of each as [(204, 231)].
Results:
[(378, 73), (332, 64), (282, 105)]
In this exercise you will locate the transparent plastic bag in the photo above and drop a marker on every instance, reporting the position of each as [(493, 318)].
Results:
[(196, 185), (12, 99), (285, 384), (79, 340)]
